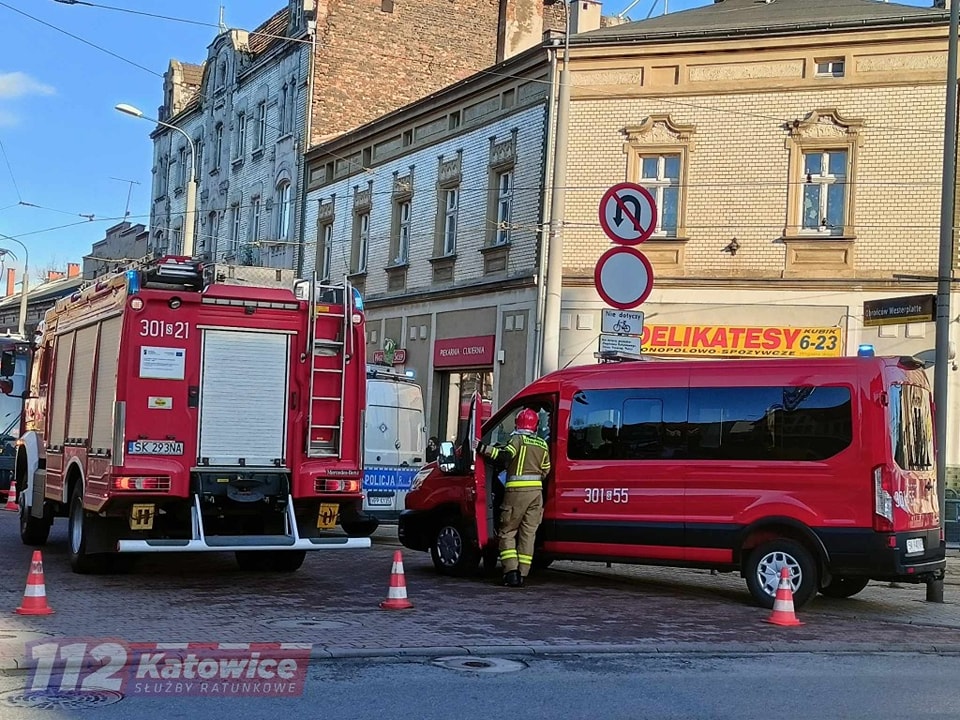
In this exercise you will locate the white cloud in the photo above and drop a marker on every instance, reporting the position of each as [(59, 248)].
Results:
[(18, 84), (7, 119)]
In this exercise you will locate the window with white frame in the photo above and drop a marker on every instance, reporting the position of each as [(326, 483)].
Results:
[(213, 232), (451, 197), (284, 210), (824, 191), (176, 244), (660, 174), (261, 124), (241, 135), (832, 67), (402, 238), (363, 241), (255, 220), (236, 218), (217, 145), (504, 207), (326, 250)]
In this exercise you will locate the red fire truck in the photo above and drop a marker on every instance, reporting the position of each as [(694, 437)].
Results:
[(171, 413)]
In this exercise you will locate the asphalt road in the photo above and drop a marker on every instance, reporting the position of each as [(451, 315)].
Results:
[(609, 687)]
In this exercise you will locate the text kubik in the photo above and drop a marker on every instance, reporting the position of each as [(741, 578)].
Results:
[(198, 669)]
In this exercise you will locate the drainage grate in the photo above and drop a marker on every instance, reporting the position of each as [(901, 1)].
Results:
[(59, 700), (478, 664), (311, 623)]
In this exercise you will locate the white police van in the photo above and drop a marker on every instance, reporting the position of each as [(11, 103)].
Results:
[(394, 440)]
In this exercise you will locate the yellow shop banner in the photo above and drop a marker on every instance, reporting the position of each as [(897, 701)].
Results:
[(742, 341)]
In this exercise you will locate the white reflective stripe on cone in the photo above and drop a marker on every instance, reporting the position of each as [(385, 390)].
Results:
[(397, 568), (35, 591), (782, 605), (397, 593)]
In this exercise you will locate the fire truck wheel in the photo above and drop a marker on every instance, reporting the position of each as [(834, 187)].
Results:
[(33, 531), (844, 586), (80, 526), (763, 567), (270, 560), (453, 550)]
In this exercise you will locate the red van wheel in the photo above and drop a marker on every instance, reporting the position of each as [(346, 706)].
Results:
[(453, 550), (763, 568)]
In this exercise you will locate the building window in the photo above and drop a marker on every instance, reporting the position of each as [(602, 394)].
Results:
[(198, 142), (660, 174), (325, 251), (176, 243), (504, 207), (823, 160), (236, 215), (361, 241), (451, 208), (834, 67), (261, 124), (182, 167), (241, 135), (255, 220), (824, 191), (285, 207), (213, 232), (453, 120), (401, 237), (218, 146), (658, 153)]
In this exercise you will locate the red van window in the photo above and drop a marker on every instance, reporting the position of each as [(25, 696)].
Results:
[(911, 427)]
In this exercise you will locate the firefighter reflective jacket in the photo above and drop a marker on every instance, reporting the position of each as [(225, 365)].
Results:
[(528, 460)]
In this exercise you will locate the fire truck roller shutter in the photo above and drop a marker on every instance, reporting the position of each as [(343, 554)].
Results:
[(101, 436), (243, 397), (78, 424), (58, 413)]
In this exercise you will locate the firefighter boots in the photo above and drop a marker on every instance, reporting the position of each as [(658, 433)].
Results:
[(512, 579)]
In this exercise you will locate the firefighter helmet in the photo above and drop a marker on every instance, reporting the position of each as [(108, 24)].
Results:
[(527, 420)]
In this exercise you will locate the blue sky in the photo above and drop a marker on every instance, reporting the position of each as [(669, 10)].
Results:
[(62, 137)]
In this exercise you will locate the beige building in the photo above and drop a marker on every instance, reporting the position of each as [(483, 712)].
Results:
[(794, 158)]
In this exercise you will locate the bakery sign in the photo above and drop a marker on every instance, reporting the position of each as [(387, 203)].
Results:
[(464, 352)]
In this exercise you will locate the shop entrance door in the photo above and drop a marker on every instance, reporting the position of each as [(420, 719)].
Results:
[(456, 390)]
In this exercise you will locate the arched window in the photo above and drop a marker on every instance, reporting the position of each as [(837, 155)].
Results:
[(285, 208)]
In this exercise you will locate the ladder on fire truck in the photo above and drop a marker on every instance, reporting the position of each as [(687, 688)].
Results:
[(328, 366)]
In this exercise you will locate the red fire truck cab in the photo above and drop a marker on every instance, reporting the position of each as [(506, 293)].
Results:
[(825, 467), (170, 413)]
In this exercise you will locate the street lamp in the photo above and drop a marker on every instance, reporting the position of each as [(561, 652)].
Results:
[(23, 286), (190, 219)]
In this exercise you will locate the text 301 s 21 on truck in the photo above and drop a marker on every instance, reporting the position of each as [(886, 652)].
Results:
[(169, 413)]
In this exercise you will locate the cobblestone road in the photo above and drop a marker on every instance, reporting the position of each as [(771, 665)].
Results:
[(333, 603)]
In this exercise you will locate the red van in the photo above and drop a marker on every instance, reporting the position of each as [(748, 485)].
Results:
[(822, 466)]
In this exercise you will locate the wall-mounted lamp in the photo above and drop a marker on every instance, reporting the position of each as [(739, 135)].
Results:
[(732, 247)]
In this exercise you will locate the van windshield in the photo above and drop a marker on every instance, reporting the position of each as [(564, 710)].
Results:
[(911, 427)]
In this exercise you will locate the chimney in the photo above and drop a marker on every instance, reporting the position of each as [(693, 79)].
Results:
[(584, 16), (521, 27), (11, 282), (54, 275), (73, 270)]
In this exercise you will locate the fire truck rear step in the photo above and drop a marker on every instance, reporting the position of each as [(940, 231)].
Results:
[(200, 542)]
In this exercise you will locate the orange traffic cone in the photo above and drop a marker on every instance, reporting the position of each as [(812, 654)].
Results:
[(397, 595), (35, 594), (12, 498), (783, 603)]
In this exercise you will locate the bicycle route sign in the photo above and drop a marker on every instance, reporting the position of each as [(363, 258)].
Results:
[(628, 213), (622, 322)]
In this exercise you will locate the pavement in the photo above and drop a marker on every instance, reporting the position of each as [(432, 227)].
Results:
[(333, 604)]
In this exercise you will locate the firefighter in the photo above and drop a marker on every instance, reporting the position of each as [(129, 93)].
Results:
[(527, 458)]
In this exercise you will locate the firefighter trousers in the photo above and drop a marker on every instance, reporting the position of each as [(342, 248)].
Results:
[(520, 516)]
